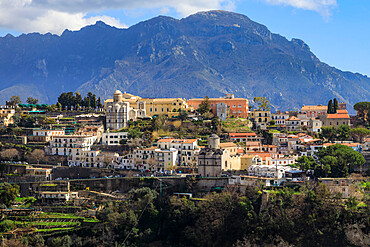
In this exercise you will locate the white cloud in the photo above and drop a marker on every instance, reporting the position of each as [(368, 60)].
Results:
[(322, 6), (56, 15)]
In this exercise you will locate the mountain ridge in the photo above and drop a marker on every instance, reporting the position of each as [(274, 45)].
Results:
[(208, 53)]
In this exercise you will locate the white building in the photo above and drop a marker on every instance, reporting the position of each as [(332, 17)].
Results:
[(166, 159), (280, 117), (39, 135), (70, 144), (113, 138), (293, 123), (314, 125), (268, 171), (282, 161), (188, 150), (119, 112)]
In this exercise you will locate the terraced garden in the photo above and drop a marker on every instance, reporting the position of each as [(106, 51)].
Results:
[(44, 223)]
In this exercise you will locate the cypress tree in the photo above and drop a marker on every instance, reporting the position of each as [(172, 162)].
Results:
[(336, 105), (330, 107)]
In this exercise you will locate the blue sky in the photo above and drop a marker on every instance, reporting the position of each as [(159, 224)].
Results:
[(337, 31)]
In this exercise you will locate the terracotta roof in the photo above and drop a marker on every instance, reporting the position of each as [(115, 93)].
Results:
[(166, 140), (314, 108), (351, 144), (344, 144), (302, 134), (189, 140), (165, 100), (270, 146), (262, 155), (227, 145), (342, 111), (217, 99), (177, 140), (292, 136), (293, 118), (240, 151), (236, 135), (338, 116)]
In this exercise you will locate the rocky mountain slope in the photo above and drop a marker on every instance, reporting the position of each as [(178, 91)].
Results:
[(208, 53)]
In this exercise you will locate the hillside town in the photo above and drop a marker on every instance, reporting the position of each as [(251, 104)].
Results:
[(79, 152)]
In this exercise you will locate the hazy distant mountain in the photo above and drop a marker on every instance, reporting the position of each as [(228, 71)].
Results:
[(209, 53)]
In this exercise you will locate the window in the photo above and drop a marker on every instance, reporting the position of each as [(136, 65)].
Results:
[(150, 109), (240, 106), (234, 106)]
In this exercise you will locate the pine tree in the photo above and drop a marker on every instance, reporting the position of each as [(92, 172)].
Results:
[(204, 106), (78, 99)]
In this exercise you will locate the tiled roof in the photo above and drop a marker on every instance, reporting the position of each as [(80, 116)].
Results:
[(217, 99), (342, 111), (270, 146), (293, 118), (227, 145), (189, 140), (236, 135), (292, 136), (166, 140), (338, 116), (314, 108), (177, 140), (344, 144)]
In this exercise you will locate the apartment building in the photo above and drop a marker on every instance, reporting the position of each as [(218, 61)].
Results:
[(237, 107), (6, 115), (71, 145), (39, 135), (165, 106), (113, 138), (336, 119), (245, 137), (314, 111), (280, 117)]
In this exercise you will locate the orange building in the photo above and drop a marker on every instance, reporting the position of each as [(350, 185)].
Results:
[(237, 107)]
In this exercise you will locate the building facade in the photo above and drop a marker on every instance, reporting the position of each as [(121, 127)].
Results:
[(120, 110), (237, 107), (113, 138)]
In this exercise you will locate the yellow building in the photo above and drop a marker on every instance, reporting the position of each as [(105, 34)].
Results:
[(157, 106), (6, 115), (165, 106), (261, 116)]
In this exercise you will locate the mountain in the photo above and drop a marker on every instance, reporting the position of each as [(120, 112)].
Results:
[(208, 53)]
